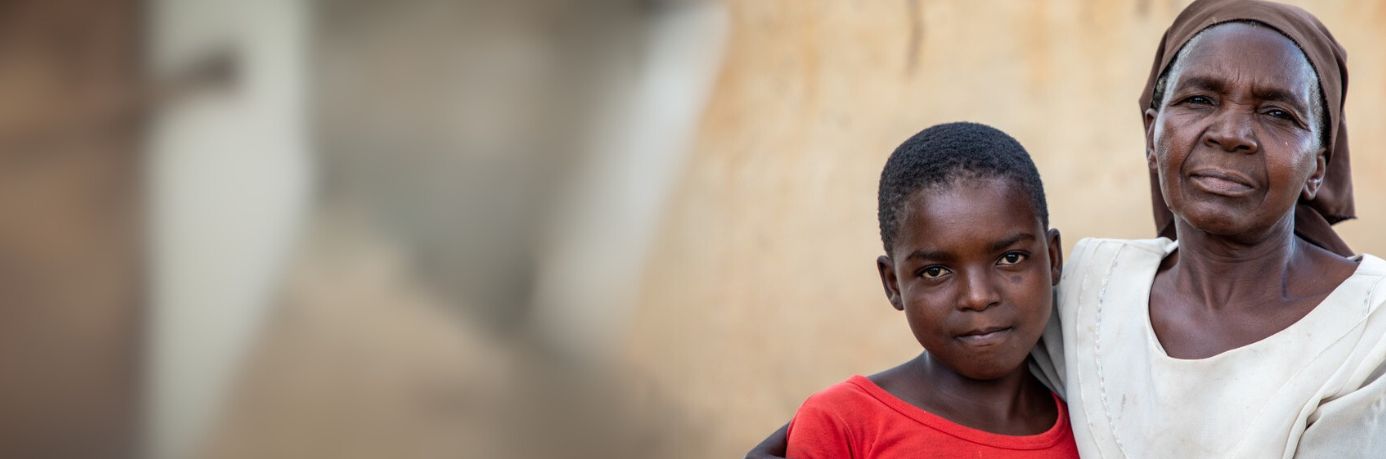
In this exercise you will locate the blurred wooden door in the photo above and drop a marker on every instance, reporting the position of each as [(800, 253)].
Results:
[(70, 270)]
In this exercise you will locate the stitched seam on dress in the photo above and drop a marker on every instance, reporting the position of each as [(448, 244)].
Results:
[(1097, 347), (1082, 293)]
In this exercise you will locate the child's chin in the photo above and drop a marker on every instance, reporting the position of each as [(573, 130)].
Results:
[(986, 376), (990, 370)]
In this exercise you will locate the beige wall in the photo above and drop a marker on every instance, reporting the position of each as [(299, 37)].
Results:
[(760, 288)]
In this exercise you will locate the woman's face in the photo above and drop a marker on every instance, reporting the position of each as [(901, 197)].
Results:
[(1236, 139)]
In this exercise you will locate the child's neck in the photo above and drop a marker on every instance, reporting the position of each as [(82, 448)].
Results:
[(1014, 404)]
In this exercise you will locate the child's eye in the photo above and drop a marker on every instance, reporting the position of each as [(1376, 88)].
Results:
[(1011, 258), (933, 272)]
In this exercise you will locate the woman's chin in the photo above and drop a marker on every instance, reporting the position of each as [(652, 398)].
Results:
[(1219, 226), (1223, 221)]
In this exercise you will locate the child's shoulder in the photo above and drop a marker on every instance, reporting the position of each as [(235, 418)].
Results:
[(853, 391), (831, 422), (839, 412), (846, 403)]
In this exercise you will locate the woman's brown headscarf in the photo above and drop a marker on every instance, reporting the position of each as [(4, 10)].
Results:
[(1333, 203)]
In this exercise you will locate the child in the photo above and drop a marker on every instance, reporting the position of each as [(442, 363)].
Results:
[(971, 261)]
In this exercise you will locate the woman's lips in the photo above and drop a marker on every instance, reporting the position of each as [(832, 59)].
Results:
[(986, 337), (1221, 183)]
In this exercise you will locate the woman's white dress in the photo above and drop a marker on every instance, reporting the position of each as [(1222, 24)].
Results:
[(1314, 389)]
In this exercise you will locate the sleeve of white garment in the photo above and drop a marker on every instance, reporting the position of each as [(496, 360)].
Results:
[(1354, 424), (1047, 359)]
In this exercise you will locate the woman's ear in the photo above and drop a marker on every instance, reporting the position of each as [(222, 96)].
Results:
[(888, 280), (1315, 180), (1056, 257), (1150, 115)]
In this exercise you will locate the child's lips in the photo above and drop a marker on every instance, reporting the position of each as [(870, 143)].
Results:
[(986, 336)]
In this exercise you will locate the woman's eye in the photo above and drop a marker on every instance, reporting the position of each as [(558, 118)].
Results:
[(1278, 113), (933, 272), (1199, 100), (1011, 258)]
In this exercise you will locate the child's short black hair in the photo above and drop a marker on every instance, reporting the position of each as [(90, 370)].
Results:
[(946, 153)]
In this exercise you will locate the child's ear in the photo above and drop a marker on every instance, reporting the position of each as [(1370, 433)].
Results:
[(1311, 186), (888, 280), (1150, 115), (1056, 257)]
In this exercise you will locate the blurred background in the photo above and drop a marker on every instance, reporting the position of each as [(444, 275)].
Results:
[(526, 228)]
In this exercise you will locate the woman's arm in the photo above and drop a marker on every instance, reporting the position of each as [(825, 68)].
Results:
[(772, 446), (1353, 425)]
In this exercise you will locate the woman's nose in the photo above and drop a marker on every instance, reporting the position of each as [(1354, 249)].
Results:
[(1232, 132)]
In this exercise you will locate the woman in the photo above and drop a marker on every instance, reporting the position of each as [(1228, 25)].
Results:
[(1256, 334)]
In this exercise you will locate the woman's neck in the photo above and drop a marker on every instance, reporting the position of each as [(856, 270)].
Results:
[(1215, 294), (1217, 271)]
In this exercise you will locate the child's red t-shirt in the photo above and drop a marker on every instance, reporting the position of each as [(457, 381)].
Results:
[(857, 418)]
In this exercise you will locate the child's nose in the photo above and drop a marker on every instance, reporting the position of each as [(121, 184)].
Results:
[(979, 292)]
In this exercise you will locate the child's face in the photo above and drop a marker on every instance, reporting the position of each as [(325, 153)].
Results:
[(973, 269)]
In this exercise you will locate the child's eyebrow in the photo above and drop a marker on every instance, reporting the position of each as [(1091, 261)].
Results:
[(944, 255), (1009, 241), (929, 255)]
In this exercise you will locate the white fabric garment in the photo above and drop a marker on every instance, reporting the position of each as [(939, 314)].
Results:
[(1314, 389)]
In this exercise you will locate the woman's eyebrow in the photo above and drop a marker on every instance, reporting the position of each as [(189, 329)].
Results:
[(1279, 95), (1206, 83)]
